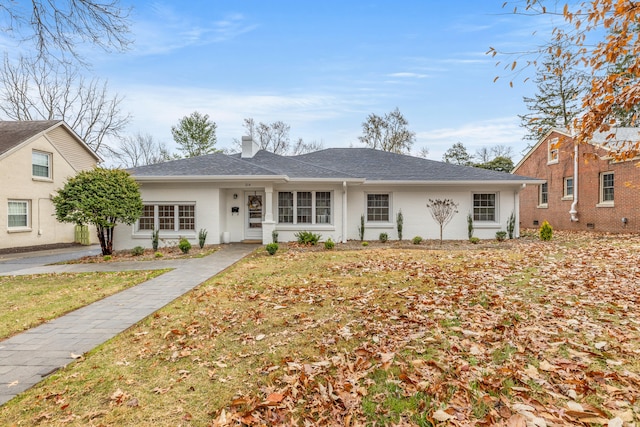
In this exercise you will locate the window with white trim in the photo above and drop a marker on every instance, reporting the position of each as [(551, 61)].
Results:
[(167, 217), (304, 207), (606, 187), (18, 214), (568, 187), (40, 164), (484, 207), (543, 194), (553, 151), (378, 207)]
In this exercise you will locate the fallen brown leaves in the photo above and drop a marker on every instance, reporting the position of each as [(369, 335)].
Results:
[(544, 335), (523, 334)]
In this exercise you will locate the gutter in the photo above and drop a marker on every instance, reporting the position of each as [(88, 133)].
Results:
[(574, 212)]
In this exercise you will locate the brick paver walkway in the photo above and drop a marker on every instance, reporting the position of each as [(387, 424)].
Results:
[(27, 358)]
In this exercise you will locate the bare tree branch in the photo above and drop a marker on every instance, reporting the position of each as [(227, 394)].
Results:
[(36, 90)]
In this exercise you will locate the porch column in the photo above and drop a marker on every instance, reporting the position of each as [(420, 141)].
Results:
[(268, 225), (344, 212)]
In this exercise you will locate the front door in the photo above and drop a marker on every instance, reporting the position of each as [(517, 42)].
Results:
[(254, 217)]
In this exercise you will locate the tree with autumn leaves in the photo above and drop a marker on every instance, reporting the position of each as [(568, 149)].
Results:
[(601, 36)]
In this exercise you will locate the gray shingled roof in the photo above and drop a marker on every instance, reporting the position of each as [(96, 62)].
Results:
[(14, 133), (293, 167), (376, 165), (216, 164), (333, 163)]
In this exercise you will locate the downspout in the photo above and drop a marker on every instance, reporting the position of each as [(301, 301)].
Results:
[(344, 211), (574, 212)]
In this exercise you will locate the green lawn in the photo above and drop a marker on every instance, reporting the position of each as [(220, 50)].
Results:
[(28, 301)]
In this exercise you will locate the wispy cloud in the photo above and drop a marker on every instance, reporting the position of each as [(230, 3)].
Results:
[(164, 30), (408, 75)]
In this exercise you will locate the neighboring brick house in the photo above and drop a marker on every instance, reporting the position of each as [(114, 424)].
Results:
[(604, 197)]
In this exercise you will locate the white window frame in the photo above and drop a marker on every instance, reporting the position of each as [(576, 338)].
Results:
[(176, 218), (27, 226), (565, 193), (543, 203), (49, 157), (604, 202), (496, 210), (553, 152), (390, 208), (314, 216)]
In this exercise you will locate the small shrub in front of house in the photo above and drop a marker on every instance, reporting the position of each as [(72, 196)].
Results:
[(137, 251), (107, 257), (329, 244), (158, 255), (384, 237), (399, 223), (184, 245), (272, 248), (365, 243), (470, 226), (202, 237), (416, 240), (474, 240), (546, 231), (307, 238), (501, 235)]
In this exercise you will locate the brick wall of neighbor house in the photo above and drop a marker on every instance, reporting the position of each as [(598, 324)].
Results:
[(592, 215)]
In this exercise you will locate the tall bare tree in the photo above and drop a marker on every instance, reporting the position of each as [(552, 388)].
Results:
[(139, 150), (38, 90), (388, 133), (275, 137), (56, 28)]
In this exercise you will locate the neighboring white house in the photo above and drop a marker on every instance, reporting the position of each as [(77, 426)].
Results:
[(36, 158), (247, 196)]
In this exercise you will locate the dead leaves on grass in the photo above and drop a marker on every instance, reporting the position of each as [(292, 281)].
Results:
[(545, 335)]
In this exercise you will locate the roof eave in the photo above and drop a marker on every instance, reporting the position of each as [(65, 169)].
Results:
[(210, 178), (458, 183)]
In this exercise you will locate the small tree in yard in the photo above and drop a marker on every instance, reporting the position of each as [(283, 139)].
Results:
[(442, 210), (101, 197)]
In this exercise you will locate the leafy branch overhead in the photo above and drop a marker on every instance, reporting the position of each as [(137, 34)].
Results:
[(602, 38)]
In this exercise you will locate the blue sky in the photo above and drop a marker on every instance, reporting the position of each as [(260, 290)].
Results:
[(322, 67)]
